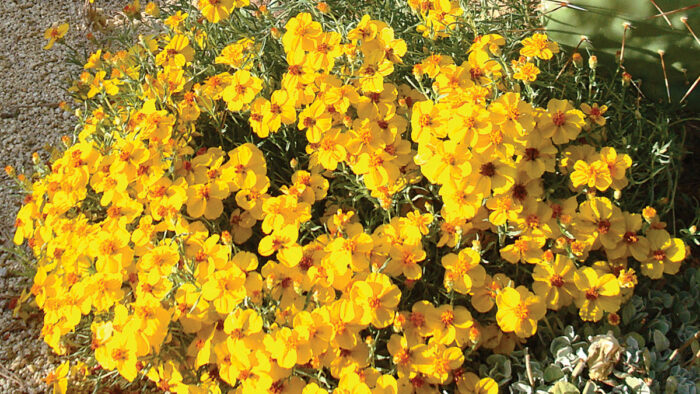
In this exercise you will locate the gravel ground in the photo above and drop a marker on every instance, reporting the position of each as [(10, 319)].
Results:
[(31, 85)]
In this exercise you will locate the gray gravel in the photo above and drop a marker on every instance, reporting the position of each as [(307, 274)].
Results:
[(31, 82)]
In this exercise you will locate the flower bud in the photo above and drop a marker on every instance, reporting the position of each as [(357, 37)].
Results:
[(648, 213), (577, 59), (226, 237), (626, 79), (593, 62)]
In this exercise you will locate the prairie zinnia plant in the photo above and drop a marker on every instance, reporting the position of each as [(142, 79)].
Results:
[(284, 200)]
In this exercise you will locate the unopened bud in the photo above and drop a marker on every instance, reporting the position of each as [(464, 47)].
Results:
[(323, 7), (577, 59), (613, 319), (626, 79), (593, 62), (648, 213), (226, 237)]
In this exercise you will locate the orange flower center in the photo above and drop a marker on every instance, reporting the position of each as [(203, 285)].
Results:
[(592, 294), (521, 311), (203, 192), (417, 319), (309, 122), (556, 280), (447, 318), (403, 357), (513, 114), (659, 255), (630, 237), (426, 121), (559, 119)]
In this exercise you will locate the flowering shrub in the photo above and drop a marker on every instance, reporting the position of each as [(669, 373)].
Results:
[(288, 200)]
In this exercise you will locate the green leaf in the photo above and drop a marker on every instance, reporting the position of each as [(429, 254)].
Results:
[(661, 343), (637, 385), (628, 313), (564, 388), (552, 373)]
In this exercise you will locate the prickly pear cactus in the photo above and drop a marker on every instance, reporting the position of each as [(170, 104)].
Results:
[(657, 34)]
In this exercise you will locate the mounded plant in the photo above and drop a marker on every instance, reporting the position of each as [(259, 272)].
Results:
[(374, 197)]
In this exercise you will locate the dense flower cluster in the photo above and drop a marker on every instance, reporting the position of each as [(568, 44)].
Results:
[(185, 265)]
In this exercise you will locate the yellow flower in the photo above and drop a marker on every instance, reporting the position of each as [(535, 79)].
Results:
[(289, 347), (595, 113), (236, 54), (593, 175), (463, 271), (524, 249), (242, 90), (599, 222), (617, 165), (174, 20), (562, 121), (215, 10), (539, 46), (167, 377), (554, 281), (378, 298), (54, 34), (302, 33), (598, 294), (665, 254), (205, 200), (120, 353), (519, 310), (406, 356), (283, 241), (58, 378), (225, 289), (315, 120), (469, 383), (177, 53), (513, 115), (452, 325), (527, 72), (442, 360), (152, 9), (405, 259)]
